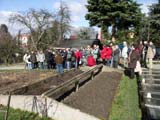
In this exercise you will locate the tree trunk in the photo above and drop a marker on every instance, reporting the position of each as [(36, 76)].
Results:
[(34, 46), (113, 32), (60, 34), (6, 60), (39, 39)]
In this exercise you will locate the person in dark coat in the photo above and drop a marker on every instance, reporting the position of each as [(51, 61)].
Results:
[(144, 53), (97, 42), (33, 60), (49, 58), (133, 58), (115, 55), (140, 47)]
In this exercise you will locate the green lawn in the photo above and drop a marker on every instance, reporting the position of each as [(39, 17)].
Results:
[(22, 115), (126, 105)]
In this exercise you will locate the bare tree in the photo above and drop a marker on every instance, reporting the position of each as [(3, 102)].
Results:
[(64, 20), (36, 21)]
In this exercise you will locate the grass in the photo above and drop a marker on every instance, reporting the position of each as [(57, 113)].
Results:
[(126, 105), (21, 115)]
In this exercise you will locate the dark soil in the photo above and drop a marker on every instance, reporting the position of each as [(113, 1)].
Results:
[(96, 97), (32, 82), (41, 87)]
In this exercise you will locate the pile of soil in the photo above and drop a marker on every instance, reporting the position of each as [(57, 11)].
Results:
[(96, 97), (11, 81)]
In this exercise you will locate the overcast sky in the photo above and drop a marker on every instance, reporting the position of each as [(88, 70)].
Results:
[(77, 8)]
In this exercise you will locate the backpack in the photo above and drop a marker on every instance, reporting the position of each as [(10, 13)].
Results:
[(69, 55)]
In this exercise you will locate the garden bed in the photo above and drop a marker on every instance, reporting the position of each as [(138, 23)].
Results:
[(95, 98), (32, 82)]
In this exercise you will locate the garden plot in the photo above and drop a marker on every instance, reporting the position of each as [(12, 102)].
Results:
[(96, 97), (32, 82)]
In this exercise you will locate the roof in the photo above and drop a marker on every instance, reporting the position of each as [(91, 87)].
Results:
[(76, 43)]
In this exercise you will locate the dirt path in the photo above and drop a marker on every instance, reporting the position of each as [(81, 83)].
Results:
[(96, 97)]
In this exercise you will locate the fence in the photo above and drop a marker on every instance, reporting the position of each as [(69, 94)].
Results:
[(150, 94)]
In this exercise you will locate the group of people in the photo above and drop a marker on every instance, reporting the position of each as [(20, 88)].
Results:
[(110, 55), (51, 59), (72, 57), (138, 55)]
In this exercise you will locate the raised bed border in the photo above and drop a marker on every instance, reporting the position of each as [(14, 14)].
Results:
[(55, 93)]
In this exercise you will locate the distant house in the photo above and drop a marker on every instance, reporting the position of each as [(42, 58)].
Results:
[(23, 39), (73, 37)]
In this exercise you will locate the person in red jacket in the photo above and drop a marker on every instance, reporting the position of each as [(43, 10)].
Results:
[(103, 54), (108, 55), (91, 61), (78, 56)]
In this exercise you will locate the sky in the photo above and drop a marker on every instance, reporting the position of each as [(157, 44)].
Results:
[(77, 8)]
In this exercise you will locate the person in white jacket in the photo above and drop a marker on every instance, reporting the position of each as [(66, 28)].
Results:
[(26, 59), (125, 54), (41, 58)]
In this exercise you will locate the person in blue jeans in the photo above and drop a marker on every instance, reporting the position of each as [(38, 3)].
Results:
[(59, 63)]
